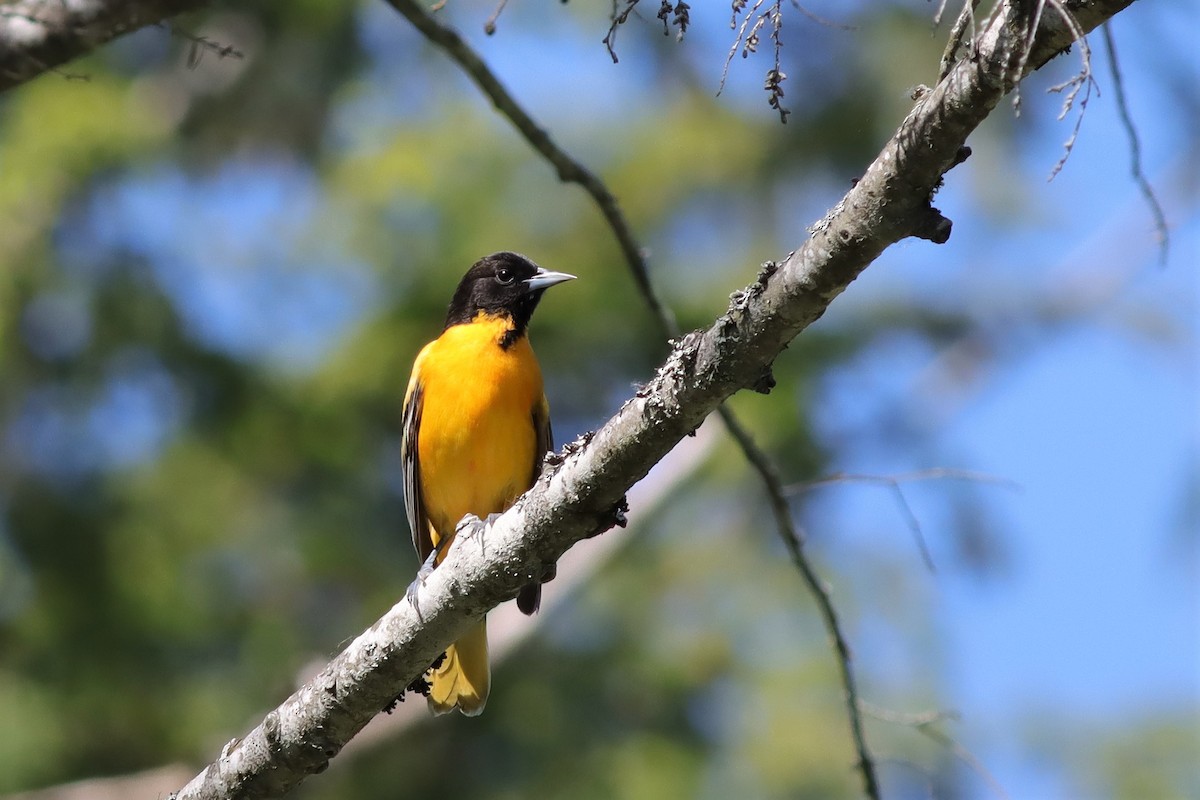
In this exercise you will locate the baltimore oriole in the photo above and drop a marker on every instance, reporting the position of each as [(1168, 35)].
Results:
[(476, 426)]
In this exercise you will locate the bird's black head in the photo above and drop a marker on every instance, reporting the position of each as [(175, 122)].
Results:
[(502, 284)]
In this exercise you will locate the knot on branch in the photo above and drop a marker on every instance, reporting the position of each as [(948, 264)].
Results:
[(931, 225), (961, 155), (765, 382), (613, 517)]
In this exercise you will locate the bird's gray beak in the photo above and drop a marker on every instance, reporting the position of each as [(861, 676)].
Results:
[(544, 279)]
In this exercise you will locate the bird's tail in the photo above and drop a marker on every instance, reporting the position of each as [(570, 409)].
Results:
[(464, 677)]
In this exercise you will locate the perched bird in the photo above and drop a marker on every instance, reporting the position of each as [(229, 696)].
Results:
[(476, 425)]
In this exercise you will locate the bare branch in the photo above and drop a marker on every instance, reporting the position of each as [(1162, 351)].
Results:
[(36, 36), (1135, 148)]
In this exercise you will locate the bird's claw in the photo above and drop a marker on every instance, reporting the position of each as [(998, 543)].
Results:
[(472, 526), (423, 574)]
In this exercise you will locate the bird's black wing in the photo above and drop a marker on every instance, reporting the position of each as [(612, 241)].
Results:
[(414, 504), (530, 596)]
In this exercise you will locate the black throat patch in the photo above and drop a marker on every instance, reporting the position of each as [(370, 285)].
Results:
[(512, 336)]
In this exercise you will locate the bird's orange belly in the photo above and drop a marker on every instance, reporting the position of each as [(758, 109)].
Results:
[(484, 466), (477, 433)]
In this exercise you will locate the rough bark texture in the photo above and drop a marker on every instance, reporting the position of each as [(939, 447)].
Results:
[(37, 36), (575, 498)]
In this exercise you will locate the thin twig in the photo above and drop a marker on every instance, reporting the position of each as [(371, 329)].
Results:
[(201, 45), (828, 23), (489, 27), (964, 22), (618, 19), (737, 42), (1135, 147), (914, 525), (964, 755), (776, 76), (924, 722), (773, 85), (572, 171), (1026, 49), (933, 474), (892, 482), (937, 15), (912, 719), (1083, 80)]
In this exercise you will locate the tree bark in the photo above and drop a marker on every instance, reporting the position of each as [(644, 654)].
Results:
[(38, 36), (579, 491)]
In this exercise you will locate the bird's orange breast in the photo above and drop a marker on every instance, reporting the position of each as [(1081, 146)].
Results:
[(477, 438)]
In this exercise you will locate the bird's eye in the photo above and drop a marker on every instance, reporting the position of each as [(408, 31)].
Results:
[(504, 276)]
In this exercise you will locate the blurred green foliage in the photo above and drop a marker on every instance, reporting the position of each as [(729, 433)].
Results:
[(214, 282)]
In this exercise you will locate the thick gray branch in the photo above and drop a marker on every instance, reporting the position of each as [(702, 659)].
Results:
[(40, 35), (575, 498)]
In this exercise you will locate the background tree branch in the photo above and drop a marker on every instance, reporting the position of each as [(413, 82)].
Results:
[(37, 36), (578, 495)]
